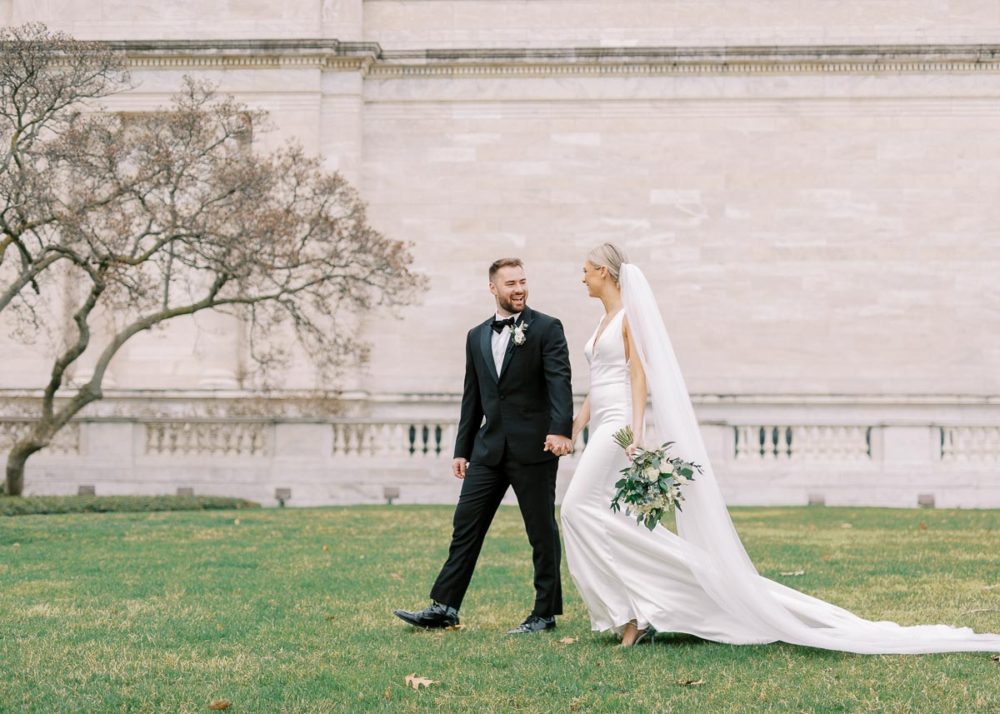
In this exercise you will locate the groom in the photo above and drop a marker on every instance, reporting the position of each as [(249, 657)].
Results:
[(517, 375)]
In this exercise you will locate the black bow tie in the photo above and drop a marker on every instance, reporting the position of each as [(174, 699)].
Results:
[(498, 325)]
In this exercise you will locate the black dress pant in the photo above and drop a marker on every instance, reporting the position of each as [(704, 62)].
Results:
[(482, 491)]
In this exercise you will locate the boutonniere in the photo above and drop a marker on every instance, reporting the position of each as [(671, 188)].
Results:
[(517, 334)]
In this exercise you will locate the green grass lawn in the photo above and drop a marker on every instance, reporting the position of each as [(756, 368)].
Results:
[(290, 610)]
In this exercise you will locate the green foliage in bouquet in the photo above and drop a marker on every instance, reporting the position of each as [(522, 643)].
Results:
[(651, 485)]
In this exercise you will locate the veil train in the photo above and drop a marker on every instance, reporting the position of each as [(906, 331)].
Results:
[(724, 569)]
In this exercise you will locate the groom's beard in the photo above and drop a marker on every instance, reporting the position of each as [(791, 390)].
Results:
[(510, 307)]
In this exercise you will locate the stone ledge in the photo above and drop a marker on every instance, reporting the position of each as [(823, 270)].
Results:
[(371, 58), (116, 403)]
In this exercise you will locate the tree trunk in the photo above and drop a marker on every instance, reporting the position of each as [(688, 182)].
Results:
[(16, 460)]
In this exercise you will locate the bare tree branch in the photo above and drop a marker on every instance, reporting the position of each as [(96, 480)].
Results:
[(72, 352)]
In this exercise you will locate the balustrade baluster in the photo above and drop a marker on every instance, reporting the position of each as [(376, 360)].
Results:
[(742, 434), (379, 433), (338, 439), (363, 435)]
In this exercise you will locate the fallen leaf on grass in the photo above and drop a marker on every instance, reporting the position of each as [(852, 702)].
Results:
[(793, 573), (330, 618), (412, 680), (846, 525), (455, 628), (388, 694), (219, 705), (568, 640), (236, 521), (395, 576), (690, 682), (326, 549), (922, 526)]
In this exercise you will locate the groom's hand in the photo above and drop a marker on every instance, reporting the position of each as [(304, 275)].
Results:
[(458, 467), (558, 444)]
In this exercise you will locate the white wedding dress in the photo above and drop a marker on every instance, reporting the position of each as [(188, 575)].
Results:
[(699, 581)]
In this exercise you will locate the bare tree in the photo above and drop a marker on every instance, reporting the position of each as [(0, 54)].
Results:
[(173, 213), (46, 81)]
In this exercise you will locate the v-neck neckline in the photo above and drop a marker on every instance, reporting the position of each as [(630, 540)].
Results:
[(600, 332)]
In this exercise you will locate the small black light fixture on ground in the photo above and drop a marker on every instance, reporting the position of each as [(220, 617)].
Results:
[(282, 495), (86, 490), (390, 493)]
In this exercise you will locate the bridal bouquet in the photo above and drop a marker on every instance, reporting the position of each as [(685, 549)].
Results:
[(651, 485)]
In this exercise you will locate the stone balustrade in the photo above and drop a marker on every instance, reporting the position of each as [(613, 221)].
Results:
[(207, 438), (66, 441), (977, 444), (765, 450)]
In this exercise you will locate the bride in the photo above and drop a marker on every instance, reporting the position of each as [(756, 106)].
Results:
[(700, 580)]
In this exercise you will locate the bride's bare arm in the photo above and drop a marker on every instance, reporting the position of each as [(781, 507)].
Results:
[(582, 419), (638, 380)]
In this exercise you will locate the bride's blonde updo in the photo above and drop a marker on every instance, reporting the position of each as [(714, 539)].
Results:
[(610, 256)]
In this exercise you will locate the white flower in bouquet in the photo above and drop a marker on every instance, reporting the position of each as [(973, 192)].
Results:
[(666, 468), (651, 473)]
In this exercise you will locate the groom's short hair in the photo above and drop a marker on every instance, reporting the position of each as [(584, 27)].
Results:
[(504, 263)]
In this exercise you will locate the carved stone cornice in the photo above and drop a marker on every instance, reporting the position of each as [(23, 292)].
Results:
[(249, 54), (369, 58)]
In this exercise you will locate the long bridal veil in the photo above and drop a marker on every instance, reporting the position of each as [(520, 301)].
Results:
[(723, 567)]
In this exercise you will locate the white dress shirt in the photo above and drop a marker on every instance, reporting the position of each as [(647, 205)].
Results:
[(500, 341)]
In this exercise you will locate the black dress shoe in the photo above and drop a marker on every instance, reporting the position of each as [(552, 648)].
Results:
[(435, 617), (534, 623)]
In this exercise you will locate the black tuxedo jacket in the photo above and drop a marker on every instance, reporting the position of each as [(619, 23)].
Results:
[(532, 397)]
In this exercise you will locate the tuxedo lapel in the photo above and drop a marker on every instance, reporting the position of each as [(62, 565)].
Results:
[(486, 345)]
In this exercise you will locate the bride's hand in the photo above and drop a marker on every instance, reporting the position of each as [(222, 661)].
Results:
[(634, 447)]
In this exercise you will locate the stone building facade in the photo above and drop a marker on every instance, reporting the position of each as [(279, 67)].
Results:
[(810, 187)]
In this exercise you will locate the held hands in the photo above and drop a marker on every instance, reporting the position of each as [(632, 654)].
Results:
[(558, 444), (555, 443)]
